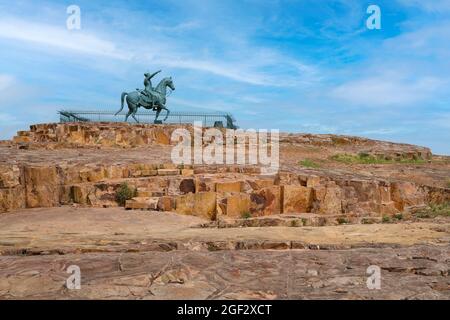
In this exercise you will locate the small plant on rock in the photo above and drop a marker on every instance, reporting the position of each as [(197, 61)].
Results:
[(367, 221), (246, 215), (435, 210), (309, 164), (386, 219), (342, 221), (124, 193)]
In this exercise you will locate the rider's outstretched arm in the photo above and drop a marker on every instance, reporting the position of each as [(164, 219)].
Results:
[(154, 74)]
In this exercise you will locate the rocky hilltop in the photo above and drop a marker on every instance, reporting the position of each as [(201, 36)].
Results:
[(86, 163), (99, 170)]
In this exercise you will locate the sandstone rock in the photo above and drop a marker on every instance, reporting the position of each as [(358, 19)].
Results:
[(9, 176), (98, 134), (235, 186), (12, 199), (313, 181), (201, 204), (42, 186), (81, 192), (185, 204), (266, 201), (92, 174), (297, 199), (187, 172), (406, 194), (187, 186), (22, 139), (251, 170), (166, 203), (168, 172), (261, 183), (161, 137), (329, 198), (234, 206), (142, 203), (205, 205), (144, 193), (288, 178), (204, 184)]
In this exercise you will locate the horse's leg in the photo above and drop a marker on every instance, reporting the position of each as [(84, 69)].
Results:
[(128, 114), (157, 114), (168, 112), (130, 108), (134, 115)]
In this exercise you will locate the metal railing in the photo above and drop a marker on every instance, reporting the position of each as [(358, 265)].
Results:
[(208, 119)]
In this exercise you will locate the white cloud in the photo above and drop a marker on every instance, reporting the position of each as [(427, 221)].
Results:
[(58, 37), (386, 90), (428, 5), (247, 68)]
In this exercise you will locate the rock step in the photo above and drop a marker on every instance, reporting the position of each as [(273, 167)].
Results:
[(210, 197), (314, 220), (229, 191), (168, 246)]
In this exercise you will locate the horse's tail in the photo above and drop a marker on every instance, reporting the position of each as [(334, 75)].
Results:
[(122, 99)]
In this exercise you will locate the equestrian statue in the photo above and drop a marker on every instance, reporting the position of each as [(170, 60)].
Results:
[(150, 98)]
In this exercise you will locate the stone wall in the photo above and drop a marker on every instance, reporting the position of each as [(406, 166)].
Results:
[(225, 191)]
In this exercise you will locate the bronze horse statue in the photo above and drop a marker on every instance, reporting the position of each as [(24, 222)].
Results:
[(156, 102)]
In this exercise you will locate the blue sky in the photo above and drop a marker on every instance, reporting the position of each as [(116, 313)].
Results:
[(297, 66)]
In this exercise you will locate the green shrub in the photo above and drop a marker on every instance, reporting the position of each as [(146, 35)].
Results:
[(342, 220), (435, 210), (246, 215), (309, 163), (386, 219), (124, 193), (399, 216), (365, 158), (294, 223)]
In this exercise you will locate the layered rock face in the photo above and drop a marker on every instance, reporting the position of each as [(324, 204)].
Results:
[(207, 191), (97, 134), (32, 179)]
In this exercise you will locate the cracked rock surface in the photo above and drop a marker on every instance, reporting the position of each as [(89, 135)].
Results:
[(150, 255)]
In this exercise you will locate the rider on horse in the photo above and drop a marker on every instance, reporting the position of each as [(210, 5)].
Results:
[(149, 92)]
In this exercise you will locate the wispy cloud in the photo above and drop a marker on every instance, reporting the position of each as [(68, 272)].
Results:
[(429, 6), (57, 37), (386, 90), (247, 69)]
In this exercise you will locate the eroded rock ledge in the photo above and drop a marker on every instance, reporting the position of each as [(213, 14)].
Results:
[(41, 168)]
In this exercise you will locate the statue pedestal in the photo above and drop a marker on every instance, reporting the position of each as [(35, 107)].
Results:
[(157, 122)]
